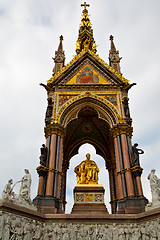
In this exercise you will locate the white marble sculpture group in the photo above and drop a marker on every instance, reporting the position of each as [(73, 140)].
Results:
[(155, 190), (23, 198), (24, 193)]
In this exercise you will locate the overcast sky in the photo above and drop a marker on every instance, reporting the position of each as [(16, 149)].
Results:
[(30, 33)]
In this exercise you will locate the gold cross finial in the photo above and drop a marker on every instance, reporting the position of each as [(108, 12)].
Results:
[(85, 5)]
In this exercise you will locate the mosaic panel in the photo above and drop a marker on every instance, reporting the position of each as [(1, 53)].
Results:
[(87, 76), (111, 98), (64, 98), (89, 198)]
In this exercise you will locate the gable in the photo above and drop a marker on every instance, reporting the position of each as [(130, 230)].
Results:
[(73, 71), (87, 75)]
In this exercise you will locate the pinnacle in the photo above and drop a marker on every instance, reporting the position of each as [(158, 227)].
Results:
[(114, 59), (60, 48), (85, 39), (113, 48)]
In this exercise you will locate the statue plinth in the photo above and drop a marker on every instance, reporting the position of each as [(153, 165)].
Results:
[(89, 198), (88, 194)]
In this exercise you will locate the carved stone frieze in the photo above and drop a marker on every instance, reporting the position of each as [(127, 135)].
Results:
[(13, 226), (79, 88)]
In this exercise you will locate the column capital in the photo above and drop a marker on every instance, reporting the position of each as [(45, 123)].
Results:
[(42, 170), (122, 129), (54, 129)]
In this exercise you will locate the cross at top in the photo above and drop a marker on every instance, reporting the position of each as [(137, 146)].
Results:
[(85, 5), (111, 37)]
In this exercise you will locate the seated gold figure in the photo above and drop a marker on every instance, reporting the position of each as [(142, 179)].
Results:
[(87, 171)]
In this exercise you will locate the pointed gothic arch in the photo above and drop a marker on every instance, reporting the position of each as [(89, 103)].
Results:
[(107, 112)]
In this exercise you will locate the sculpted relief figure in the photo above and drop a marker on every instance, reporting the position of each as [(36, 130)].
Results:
[(136, 235), (14, 223), (38, 231), (19, 231), (28, 230), (135, 155), (115, 231), (121, 233), (155, 187), (6, 231), (144, 232), (153, 231), (1, 225), (55, 231), (19, 228), (87, 171)]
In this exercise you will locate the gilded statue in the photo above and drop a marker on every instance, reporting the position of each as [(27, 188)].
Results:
[(94, 47), (78, 46), (87, 171)]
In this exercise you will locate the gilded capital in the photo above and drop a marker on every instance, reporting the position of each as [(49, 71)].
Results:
[(54, 129), (122, 129)]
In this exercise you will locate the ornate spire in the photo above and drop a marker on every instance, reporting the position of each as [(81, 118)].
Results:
[(59, 57), (114, 59), (85, 39)]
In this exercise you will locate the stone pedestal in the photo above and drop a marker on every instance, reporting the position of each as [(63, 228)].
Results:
[(89, 199), (132, 205), (48, 204)]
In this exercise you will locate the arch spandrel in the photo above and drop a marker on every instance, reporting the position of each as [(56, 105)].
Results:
[(105, 109)]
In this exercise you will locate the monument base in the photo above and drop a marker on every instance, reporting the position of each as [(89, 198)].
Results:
[(89, 199), (22, 223), (48, 204), (132, 205)]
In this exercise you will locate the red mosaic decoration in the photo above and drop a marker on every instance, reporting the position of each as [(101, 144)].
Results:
[(64, 98), (87, 77)]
